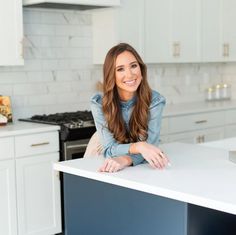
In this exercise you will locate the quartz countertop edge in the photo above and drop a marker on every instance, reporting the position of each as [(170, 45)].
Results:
[(171, 194), (133, 178), (21, 128)]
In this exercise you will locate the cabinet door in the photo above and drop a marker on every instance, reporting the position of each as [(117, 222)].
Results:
[(11, 31), (185, 29), (228, 43), (38, 195), (157, 31), (218, 31), (8, 222), (172, 31), (130, 19), (120, 24), (211, 49)]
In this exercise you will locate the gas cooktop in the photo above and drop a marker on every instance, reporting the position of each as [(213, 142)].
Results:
[(71, 120)]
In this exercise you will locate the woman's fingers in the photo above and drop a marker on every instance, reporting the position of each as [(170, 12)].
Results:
[(157, 159), (109, 165)]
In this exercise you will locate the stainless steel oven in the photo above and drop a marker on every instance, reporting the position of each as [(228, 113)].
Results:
[(74, 149)]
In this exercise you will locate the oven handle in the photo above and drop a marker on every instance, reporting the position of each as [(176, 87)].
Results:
[(77, 146)]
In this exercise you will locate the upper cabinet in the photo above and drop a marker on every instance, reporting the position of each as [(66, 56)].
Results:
[(218, 31), (172, 31), (120, 24), (11, 31), (169, 31)]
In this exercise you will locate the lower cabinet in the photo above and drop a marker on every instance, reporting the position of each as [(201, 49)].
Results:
[(8, 220), (38, 195), (30, 202), (197, 137), (198, 127)]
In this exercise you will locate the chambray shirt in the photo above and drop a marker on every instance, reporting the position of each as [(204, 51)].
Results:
[(111, 148)]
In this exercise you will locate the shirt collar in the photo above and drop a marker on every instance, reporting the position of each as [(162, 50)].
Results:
[(128, 103)]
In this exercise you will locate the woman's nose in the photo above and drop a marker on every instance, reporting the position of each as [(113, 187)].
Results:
[(129, 73)]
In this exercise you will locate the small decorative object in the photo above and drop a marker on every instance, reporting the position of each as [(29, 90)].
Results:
[(210, 94), (225, 92), (218, 92), (5, 109)]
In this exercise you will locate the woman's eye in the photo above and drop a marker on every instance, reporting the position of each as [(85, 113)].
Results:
[(120, 69), (134, 66)]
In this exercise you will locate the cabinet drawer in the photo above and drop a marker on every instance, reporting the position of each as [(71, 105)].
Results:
[(199, 136), (195, 121), (36, 144), (230, 116), (6, 148)]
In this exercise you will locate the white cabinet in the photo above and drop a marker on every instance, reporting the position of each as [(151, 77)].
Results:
[(38, 195), (157, 31), (11, 31), (218, 31), (38, 186), (196, 128), (8, 220), (172, 31), (169, 31), (121, 24), (29, 187), (200, 136), (196, 121)]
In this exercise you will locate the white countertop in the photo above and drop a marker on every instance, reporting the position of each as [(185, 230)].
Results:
[(20, 128), (197, 107), (199, 175), (227, 144)]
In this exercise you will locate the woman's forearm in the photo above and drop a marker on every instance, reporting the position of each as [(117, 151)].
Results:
[(136, 148)]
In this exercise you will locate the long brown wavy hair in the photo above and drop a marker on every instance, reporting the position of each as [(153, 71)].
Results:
[(138, 123)]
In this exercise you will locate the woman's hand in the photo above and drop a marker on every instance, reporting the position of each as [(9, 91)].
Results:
[(115, 164), (153, 155)]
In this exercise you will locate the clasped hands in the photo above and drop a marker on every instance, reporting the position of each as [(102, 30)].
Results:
[(152, 154)]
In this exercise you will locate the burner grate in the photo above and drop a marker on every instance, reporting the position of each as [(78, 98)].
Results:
[(63, 118)]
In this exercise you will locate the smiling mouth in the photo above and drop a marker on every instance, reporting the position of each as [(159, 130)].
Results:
[(130, 82)]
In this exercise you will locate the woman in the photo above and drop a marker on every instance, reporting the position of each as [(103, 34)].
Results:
[(128, 114)]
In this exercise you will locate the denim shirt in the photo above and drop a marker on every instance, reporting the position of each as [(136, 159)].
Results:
[(111, 148)]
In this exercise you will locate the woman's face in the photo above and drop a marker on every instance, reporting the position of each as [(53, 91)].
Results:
[(128, 75)]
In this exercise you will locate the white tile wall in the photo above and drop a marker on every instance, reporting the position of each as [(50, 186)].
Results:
[(58, 74)]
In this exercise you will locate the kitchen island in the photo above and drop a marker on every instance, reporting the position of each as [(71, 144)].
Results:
[(195, 196)]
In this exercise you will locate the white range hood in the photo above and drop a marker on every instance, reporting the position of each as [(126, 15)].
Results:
[(72, 4)]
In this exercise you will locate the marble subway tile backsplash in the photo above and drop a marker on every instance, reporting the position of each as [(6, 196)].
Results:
[(59, 76)]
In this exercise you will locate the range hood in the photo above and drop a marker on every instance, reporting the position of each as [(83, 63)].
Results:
[(71, 4)]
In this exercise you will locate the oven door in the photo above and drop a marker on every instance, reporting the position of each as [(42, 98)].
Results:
[(74, 149)]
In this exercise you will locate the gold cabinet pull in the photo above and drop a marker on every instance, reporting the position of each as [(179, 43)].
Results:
[(201, 121), (225, 49), (176, 49), (40, 144), (200, 139)]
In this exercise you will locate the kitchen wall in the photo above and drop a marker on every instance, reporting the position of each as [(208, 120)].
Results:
[(59, 75)]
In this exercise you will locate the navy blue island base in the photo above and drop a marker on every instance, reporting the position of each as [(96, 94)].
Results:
[(92, 208)]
